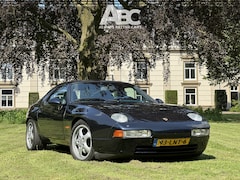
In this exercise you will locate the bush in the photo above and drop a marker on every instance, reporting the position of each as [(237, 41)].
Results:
[(235, 107), (17, 116), (171, 97)]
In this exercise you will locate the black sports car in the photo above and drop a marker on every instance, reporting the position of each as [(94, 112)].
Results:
[(108, 120)]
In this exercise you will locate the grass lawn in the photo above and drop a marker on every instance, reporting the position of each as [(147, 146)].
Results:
[(221, 160)]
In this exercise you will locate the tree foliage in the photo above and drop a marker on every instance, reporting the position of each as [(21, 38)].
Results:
[(67, 34)]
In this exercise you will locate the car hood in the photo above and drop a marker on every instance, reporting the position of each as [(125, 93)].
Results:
[(144, 111)]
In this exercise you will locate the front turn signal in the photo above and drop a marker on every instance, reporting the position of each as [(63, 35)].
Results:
[(118, 134)]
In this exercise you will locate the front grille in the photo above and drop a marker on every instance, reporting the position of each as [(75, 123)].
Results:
[(166, 150)]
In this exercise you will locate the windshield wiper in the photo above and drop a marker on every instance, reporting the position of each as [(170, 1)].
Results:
[(125, 98)]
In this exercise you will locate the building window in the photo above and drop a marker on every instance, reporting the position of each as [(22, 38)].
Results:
[(189, 71), (6, 98), (141, 70), (59, 73), (234, 94), (234, 88), (6, 72), (190, 96)]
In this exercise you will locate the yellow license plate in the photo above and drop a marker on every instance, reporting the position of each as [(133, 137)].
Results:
[(171, 142)]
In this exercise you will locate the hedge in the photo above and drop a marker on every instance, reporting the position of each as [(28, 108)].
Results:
[(171, 97), (32, 98), (16, 116)]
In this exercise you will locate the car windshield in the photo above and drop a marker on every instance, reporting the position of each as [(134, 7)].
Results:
[(108, 91)]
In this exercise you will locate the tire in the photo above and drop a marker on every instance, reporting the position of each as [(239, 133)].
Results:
[(33, 140), (81, 146)]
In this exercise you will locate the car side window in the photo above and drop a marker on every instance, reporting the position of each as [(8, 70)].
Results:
[(60, 94)]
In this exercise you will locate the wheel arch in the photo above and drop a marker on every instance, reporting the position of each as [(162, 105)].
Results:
[(76, 119)]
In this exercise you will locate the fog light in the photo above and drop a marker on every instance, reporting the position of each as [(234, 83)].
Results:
[(137, 134), (200, 132)]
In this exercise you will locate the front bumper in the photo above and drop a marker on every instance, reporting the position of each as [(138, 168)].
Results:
[(120, 148)]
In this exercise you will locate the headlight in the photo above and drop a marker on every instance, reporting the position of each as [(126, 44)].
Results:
[(132, 134), (195, 116), (200, 132), (119, 117)]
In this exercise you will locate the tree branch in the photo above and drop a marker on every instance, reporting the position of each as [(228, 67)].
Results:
[(68, 36)]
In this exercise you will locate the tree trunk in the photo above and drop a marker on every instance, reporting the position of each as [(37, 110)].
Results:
[(86, 46)]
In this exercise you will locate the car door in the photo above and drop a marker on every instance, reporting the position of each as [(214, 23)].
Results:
[(51, 113)]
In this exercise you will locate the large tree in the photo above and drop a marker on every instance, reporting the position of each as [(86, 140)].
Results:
[(70, 30)]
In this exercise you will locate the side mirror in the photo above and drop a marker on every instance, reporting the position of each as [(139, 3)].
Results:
[(56, 101), (159, 101)]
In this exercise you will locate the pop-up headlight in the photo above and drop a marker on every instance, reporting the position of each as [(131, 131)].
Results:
[(195, 116), (119, 117)]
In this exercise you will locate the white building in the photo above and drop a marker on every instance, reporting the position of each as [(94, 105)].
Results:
[(185, 77)]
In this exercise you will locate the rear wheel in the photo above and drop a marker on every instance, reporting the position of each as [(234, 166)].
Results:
[(81, 146), (33, 140)]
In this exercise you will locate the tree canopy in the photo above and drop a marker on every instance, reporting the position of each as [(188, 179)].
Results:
[(69, 34)]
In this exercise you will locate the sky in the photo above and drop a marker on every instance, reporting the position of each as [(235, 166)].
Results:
[(117, 4)]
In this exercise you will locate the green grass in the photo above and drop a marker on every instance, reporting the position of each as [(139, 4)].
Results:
[(221, 160)]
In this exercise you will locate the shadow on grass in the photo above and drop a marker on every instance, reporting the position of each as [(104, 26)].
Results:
[(176, 159), (66, 150), (58, 148), (205, 157)]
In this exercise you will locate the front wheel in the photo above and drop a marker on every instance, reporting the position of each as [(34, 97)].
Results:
[(81, 146), (33, 140)]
